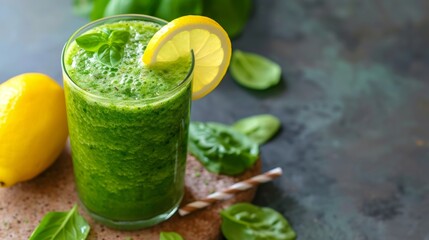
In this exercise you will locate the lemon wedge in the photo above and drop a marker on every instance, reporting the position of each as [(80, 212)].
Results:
[(205, 37)]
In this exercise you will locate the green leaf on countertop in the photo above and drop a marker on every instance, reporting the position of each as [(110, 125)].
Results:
[(232, 15), (259, 128), (171, 9), (61, 226), (170, 236), (91, 42), (247, 221), (222, 149), (254, 71)]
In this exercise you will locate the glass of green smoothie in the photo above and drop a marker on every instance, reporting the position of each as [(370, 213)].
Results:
[(128, 122)]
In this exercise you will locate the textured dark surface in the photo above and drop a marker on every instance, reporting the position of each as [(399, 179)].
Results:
[(354, 105)]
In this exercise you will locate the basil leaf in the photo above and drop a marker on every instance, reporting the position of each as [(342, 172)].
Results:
[(91, 42), (221, 149), (171, 9), (110, 55), (98, 9), (170, 236), (119, 37), (254, 71), (231, 14), (62, 225), (259, 128), (106, 31), (247, 221), (109, 45)]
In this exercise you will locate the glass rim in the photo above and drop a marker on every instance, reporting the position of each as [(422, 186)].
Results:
[(124, 17)]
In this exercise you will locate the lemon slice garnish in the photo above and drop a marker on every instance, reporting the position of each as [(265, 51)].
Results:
[(209, 42)]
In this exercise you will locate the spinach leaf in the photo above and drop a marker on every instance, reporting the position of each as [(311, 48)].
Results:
[(170, 236), (247, 221), (231, 14), (254, 71), (171, 9), (221, 149), (62, 225), (259, 128)]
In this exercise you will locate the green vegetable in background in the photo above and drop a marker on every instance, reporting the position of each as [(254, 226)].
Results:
[(254, 71), (259, 128), (82, 7), (109, 47), (115, 7), (250, 222), (221, 149), (171, 9), (232, 15), (98, 9), (170, 236), (62, 226)]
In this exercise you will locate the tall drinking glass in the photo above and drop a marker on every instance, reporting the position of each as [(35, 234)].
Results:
[(128, 125)]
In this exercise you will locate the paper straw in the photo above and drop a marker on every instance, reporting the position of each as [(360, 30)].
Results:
[(231, 191)]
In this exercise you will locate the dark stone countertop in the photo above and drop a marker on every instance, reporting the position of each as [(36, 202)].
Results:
[(353, 102)]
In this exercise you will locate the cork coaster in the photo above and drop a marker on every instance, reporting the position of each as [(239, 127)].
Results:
[(23, 206)]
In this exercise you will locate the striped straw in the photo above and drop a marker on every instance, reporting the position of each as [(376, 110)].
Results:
[(229, 192)]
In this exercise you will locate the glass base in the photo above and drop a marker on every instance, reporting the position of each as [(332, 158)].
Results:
[(133, 225)]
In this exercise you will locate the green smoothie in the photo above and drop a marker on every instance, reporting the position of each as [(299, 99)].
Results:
[(128, 127)]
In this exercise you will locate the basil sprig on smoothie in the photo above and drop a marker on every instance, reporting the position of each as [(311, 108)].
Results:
[(108, 45), (221, 149)]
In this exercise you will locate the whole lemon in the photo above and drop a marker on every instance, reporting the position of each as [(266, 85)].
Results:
[(33, 126)]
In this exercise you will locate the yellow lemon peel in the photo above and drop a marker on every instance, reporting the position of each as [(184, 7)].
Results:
[(208, 41), (33, 126)]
